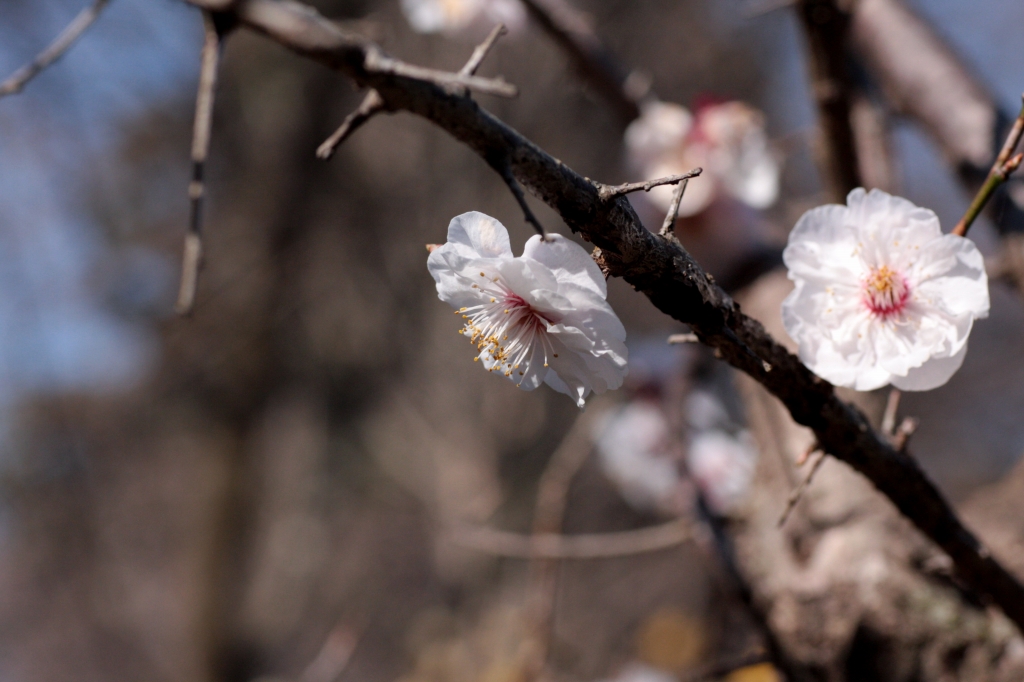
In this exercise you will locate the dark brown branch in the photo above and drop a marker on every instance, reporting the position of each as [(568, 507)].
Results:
[(480, 53), (371, 105), (798, 492), (517, 192), (663, 271), (566, 547), (55, 50), (192, 257), (607, 192), (827, 28), (572, 31)]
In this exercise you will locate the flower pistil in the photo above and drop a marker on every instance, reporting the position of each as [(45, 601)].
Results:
[(885, 292)]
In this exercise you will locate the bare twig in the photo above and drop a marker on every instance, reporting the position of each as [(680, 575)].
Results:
[(683, 338), (607, 192), (827, 26), (798, 493), (568, 547), (378, 62), (480, 53), (662, 270), (1005, 164), (572, 30), (673, 210), (55, 50), (548, 518), (892, 406), (517, 192), (334, 656), (192, 258), (903, 433), (371, 105)]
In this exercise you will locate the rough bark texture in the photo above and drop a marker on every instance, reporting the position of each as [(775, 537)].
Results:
[(850, 590)]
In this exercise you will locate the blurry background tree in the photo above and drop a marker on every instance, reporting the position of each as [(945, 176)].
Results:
[(267, 488)]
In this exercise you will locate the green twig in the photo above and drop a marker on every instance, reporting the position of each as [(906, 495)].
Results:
[(1006, 163)]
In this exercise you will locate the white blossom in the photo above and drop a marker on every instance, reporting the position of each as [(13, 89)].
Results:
[(726, 139), (636, 452), (456, 16), (539, 318), (882, 296), (722, 465)]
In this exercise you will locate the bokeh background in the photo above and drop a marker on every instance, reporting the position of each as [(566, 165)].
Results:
[(263, 490)]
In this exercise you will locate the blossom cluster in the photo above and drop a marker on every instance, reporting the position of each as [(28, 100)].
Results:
[(726, 139)]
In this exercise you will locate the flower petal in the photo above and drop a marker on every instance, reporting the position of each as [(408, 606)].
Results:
[(484, 235), (931, 374), (569, 262)]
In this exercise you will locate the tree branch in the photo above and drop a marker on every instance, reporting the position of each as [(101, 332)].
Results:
[(665, 272), (552, 546), (571, 30), (827, 27), (60, 45), (192, 257)]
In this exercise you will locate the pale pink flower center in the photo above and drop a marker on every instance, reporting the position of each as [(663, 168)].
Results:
[(885, 292), (506, 329)]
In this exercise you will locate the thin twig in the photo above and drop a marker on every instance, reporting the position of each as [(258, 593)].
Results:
[(673, 210), (573, 32), (903, 433), (798, 493), (378, 62), (371, 105), (1005, 164), (548, 519), (607, 192), (55, 50), (892, 406), (517, 192), (192, 258), (334, 656), (682, 338), (573, 547), (480, 53)]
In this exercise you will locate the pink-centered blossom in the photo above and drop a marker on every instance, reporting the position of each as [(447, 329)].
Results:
[(539, 318), (882, 296), (726, 139), (459, 16)]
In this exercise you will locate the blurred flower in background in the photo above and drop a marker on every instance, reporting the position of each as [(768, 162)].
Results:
[(463, 16), (637, 452), (726, 139)]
